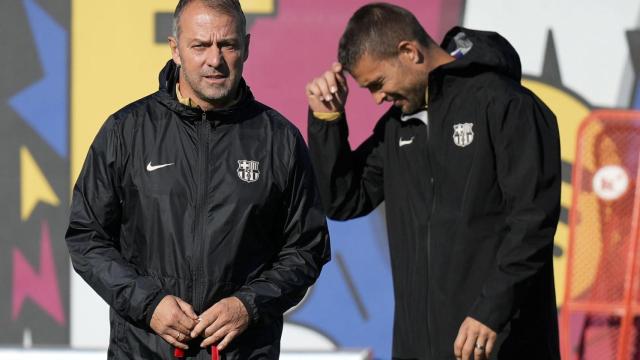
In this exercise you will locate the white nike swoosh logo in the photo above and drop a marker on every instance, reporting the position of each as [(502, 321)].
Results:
[(156, 167), (405, 142)]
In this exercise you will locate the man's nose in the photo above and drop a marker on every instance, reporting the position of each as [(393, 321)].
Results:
[(379, 97), (214, 56)]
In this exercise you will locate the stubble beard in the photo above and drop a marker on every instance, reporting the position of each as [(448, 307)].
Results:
[(209, 93)]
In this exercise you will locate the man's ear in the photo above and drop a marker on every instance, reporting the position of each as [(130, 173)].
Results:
[(175, 51), (410, 52), (247, 41)]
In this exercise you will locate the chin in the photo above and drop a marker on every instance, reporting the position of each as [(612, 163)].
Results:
[(408, 109)]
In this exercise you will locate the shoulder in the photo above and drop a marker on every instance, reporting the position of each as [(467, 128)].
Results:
[(499, 93), (277, 123), (129, 116)]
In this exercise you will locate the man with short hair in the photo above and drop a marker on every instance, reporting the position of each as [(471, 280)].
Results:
[(196, 215), (468, 164)]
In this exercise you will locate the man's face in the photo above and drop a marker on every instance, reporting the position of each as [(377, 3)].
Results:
[(211, 51), (394, 80)]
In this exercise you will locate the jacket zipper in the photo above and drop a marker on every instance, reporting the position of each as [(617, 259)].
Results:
[(433, 207), (201, 186)]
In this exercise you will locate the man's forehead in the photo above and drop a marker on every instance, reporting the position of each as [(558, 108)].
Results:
[(366, 69), (201, 18)]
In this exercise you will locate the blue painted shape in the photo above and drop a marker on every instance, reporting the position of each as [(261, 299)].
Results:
[(43, 105), (636, 101), (330, 307)]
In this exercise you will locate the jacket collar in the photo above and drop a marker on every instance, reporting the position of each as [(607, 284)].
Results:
[(166, 95)]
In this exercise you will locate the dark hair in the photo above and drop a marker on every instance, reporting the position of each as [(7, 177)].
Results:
[(377, 29), (227, 7)]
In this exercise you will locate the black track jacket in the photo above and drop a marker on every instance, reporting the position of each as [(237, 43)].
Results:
[(236, 213), (472, 204)]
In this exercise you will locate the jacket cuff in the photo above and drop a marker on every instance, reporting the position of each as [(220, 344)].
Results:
[(327, 116), (153, 304), (494, 313), (248, 300)]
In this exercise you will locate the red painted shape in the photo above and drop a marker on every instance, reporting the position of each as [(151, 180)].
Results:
[(41, 287), (301, 42)]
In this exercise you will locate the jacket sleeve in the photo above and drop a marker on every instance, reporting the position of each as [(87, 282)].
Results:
[(527, 151), (351, 182), (304, 247), (93, 234)]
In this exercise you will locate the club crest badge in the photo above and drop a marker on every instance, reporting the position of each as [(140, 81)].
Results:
[(463, 134), (248, 170)]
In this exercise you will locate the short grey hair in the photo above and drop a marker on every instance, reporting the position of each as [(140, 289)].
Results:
[(227, 7)]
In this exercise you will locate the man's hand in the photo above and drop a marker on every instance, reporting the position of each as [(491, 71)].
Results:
[(328, 93), (222, 322), (475, 341), (173, 319)]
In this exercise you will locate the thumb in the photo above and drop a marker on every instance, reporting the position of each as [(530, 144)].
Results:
[(187, 308), (336, 67)]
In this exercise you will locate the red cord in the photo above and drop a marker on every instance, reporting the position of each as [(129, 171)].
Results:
[(215, 354)]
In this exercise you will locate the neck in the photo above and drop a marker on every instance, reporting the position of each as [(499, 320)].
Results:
[(437, 57)]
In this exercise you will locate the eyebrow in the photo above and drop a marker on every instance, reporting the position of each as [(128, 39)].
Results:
[(227, 40), (377, 81)]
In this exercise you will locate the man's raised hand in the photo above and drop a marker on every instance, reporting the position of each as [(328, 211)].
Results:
[(328, 92)]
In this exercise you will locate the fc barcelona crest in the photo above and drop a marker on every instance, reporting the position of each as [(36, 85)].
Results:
[(248, 170), (463, 134)]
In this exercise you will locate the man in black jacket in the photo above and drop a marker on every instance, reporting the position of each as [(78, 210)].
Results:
[(196, 216), (468, 163)]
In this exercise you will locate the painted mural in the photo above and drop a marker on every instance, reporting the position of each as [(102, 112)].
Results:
[(71, 63)]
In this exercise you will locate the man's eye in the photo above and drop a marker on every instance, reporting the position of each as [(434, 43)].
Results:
[(375, 86)]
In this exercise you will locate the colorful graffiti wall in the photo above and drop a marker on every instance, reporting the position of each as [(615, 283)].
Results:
[(68, 64)]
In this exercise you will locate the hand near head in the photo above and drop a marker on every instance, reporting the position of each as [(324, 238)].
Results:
[(328, 92), (174, 319), (222, 322)]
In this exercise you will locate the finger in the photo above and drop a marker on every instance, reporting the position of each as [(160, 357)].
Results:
[(469, 346), (339, 71), (336, 104), (489, 346), (321, 83), (215, 327), (330, 78), (172, 340), (187, 309), (480, 347), (181, 329), (227, 339), (342, 82), (215, 337), (314, 91), (459, 343), (206, 319), (185, 323)]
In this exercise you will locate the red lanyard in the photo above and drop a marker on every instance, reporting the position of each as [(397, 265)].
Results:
[(215, 355)]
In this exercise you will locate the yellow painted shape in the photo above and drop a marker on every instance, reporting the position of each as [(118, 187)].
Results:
[(34, 186), (116, 61), (569, 112), (256, 7)]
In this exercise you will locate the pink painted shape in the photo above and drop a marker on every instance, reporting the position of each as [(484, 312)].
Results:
[(41, 288), (301, 42)]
